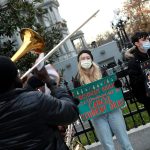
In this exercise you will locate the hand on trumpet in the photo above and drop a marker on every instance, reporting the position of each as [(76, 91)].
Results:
[(48, 71), (44, 77)]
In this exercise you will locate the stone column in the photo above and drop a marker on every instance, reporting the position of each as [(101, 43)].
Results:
[(50, 16)]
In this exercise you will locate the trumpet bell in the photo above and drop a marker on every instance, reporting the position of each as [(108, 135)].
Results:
[(32, 41)]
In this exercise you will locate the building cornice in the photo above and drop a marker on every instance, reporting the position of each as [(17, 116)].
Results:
[(52, 3)]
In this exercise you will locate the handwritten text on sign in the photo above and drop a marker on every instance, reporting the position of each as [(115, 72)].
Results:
[(98, 97)]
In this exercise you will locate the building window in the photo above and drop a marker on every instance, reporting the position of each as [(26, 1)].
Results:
[(50, 8)]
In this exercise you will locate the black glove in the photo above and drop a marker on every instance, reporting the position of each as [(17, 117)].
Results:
[(76, 101), (118, 83), (34, 82)]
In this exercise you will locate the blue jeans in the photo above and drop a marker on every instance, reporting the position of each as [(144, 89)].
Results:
[(112, 122)]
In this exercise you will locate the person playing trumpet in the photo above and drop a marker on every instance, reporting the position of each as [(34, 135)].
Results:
[(29, 119)]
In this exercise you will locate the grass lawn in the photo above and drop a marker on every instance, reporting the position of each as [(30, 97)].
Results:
[(138, 121)]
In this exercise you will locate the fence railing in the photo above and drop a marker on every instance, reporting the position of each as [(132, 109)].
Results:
[(134, 114)]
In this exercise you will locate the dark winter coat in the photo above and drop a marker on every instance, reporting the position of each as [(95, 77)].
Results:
[(136, 76), (29, 119)]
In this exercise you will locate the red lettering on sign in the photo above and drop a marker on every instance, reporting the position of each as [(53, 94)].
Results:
[(99, 102), (95, 112), (80, 97), (117, 89), (121, 102), (87, 116), (113, 105), (107, 87), (109, 101), (103, 88), (90, 114), (102, 109), (95, 104), (83, 116)]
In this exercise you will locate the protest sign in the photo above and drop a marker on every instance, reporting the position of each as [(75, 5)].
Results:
[(145, 66), (98, 97)]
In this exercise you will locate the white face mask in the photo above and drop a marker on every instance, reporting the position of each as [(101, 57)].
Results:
[(86, 64), (146, 46)]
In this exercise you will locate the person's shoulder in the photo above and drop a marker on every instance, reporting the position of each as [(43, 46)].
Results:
[(133, 59), (134, 64), (31, 93), (32, 96)]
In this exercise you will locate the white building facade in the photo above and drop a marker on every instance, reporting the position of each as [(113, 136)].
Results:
[(67, 60), (52, 17)]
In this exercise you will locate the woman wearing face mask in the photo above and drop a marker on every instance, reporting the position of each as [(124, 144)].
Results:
[(137, 79), (107, 124)]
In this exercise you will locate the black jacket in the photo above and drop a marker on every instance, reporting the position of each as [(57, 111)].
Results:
[(136, 75), (29, 119)]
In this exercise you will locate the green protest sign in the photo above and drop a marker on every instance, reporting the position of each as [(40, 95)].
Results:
[(98, 97)]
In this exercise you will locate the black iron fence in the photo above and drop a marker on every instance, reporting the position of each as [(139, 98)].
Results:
[(134, 114)]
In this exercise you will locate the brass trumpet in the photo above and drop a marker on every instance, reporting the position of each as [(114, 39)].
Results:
[(32, 41)]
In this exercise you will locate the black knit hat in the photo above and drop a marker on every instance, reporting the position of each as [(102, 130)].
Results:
[(138, 35), (85, 51), (8, 73)]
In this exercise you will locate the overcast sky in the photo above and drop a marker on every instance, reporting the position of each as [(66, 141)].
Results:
[(75, 12)]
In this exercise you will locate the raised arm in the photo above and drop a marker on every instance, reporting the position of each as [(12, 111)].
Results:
[(58, 110)]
